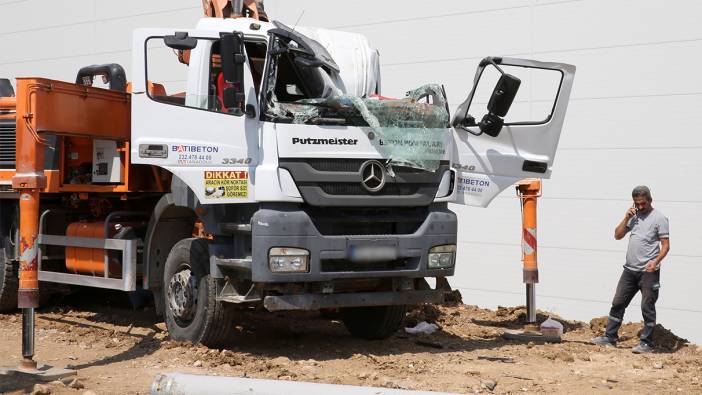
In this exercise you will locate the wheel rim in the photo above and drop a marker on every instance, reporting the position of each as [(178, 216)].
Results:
[(182, 295)]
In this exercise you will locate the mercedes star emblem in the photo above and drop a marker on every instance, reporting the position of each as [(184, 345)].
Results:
[(373, 176)]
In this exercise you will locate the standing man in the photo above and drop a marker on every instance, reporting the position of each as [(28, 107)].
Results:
[(649, 243)]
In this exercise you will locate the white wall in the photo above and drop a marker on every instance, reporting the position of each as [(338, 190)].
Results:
[(632, 119)]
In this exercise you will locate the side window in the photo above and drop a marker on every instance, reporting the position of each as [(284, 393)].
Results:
[(190, 78), (535, 98), (256, 53)]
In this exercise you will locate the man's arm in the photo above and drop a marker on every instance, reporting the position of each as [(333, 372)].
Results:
[(653, 264), (623, 226)]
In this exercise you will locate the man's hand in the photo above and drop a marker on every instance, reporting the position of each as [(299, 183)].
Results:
[(651, 266), (630, 213), (622, 227)]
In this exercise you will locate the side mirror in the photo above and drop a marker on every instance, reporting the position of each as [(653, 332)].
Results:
[(180, 41), (232, 53), (503, 95), (498, 106)]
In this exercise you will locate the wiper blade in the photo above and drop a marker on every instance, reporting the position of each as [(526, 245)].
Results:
[(327, 121)]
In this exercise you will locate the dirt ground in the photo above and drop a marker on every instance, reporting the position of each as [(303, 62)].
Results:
[(119, 351)]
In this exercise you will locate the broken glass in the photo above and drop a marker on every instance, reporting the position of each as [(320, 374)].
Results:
[(408, 131), (303, 88)]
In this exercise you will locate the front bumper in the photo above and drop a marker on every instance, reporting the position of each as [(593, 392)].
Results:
[(356, 299), (290, 226)]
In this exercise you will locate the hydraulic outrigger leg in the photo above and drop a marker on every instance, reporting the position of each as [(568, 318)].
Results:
[(29, 180), (528, 192)]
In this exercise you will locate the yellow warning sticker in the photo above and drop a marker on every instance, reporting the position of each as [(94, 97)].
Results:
[(226, 184)]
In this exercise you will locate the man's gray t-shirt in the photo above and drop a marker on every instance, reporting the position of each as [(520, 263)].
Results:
[(646, 232)]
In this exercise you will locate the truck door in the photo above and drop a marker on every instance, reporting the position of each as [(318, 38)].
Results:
[(509, 126), (194, 115)]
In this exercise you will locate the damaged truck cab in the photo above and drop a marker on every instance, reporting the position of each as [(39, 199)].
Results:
[(284, 180)]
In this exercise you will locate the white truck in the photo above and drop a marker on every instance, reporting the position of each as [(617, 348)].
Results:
[(284, 179)]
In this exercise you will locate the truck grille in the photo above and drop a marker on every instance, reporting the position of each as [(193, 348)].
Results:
[(8, 145), (359, 221), (358, 190), (337, 182)]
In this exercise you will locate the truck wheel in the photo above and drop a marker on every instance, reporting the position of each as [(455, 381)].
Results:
[(8, 284), (191, 310), (373, 323)]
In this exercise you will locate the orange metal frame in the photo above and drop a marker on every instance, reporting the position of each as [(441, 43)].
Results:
[(62, 109)]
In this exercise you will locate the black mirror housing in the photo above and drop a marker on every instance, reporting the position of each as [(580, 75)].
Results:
[(503, 95), (180, 41), (491, 125), (232, 53)]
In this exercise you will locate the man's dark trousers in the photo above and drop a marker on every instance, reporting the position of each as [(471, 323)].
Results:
[(630, 283)]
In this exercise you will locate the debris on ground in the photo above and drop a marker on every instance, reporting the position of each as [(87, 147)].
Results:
[(422, 328), (551, 327)]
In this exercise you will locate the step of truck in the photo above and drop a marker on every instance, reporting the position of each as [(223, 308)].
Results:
[(239, 264)]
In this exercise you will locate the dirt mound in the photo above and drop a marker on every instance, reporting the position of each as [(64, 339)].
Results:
[(425, 312), (598, 325), (453, 298), (663, 338)]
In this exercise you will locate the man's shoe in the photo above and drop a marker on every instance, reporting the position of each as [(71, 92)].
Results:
[(642, 348), (603, 341)]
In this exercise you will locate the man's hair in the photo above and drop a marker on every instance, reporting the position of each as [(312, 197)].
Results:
[(642, 191)]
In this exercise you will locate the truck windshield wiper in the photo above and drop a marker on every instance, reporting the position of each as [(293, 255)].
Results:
[(327, 121)]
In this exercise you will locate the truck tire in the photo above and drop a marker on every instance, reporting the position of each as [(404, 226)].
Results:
[(191, 310), (373, 323), (8, 284)]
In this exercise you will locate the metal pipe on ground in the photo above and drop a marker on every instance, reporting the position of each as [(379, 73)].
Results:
[(179, 383)]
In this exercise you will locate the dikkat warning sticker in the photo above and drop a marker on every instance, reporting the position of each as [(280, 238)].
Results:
[(226, 184)]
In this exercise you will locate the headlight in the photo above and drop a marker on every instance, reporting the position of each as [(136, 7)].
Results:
[(442, 257), (288, 260)]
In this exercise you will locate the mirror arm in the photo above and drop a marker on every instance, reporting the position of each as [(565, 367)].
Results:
[(493, 61), (473, 132)]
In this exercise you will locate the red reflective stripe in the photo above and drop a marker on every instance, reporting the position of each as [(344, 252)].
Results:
[(529, 237)]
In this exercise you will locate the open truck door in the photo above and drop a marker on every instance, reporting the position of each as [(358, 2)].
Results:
[(509, 126)]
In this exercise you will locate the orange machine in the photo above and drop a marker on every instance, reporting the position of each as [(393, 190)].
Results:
[(68, 119)]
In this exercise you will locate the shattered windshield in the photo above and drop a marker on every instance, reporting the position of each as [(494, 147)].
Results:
[(301, 89)]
